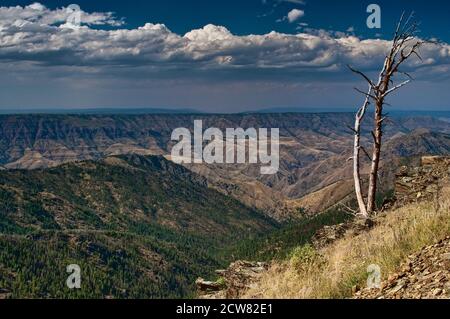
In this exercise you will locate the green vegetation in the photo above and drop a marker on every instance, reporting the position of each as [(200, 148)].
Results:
[(139, 227), (302, 256), (279, 244)]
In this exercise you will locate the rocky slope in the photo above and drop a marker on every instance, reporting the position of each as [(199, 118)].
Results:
[(422, 182), (235, 280), (242, 275), (424, 275)]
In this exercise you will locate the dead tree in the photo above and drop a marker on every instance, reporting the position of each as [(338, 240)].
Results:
[(404, 45)]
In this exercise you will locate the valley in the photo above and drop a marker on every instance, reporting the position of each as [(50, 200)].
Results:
[(100, 191), (137, 226), (314, 148)]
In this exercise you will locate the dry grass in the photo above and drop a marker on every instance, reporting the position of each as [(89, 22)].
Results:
[(334, 271), (324, 198)]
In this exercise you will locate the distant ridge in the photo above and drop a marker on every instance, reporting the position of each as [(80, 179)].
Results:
[(392, 113), (303, 110), (282, 110), (101, 111)]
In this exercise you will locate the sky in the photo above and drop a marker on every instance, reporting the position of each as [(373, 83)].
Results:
[(212, 56)]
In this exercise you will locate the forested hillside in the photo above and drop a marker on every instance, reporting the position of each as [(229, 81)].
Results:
[(138, 227)]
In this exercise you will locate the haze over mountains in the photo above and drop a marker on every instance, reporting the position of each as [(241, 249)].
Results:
[(396, 112)]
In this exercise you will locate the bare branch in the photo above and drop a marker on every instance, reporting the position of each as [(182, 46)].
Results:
[(407, 74), (417, 55), (363, 75), (395, 88), (349, 210), (368, 95), (399, 25), (366, 153), (352, 129), (406, 55)]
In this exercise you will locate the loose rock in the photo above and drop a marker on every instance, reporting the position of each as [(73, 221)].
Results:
[(425, 275)]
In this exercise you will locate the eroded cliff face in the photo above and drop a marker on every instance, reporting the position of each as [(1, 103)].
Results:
[(314, 149)]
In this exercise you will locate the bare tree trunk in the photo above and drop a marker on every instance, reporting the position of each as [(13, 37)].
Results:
[(356, 155), (376, 156), (382, 89), (404, 45)]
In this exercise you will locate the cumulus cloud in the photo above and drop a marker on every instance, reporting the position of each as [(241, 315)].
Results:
[(294, 15), (34, 34), (38, 14)]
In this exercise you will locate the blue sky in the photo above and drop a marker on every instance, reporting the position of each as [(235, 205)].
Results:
[(250, 56), (255, 16)]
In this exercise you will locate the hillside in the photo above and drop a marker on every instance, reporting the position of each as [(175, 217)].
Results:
[(314, 149), (423, 275), (408, 244), (401, 149), (142, 226), (138, 227)]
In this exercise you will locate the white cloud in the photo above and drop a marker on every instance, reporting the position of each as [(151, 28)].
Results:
[(39, 14), (31, 34), (294, 15)]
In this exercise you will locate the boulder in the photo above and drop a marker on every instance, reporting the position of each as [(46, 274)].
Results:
[(234, 281)]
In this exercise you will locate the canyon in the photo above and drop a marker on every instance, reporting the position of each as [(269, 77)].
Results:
[(314, 150)]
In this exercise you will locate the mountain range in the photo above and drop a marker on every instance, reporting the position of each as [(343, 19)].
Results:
[(314, 148), (100, 191)]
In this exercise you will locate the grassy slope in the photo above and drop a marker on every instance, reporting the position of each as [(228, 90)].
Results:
[(333, 272)]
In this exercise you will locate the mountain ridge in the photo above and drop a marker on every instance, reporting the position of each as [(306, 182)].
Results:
[(314, 148)]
